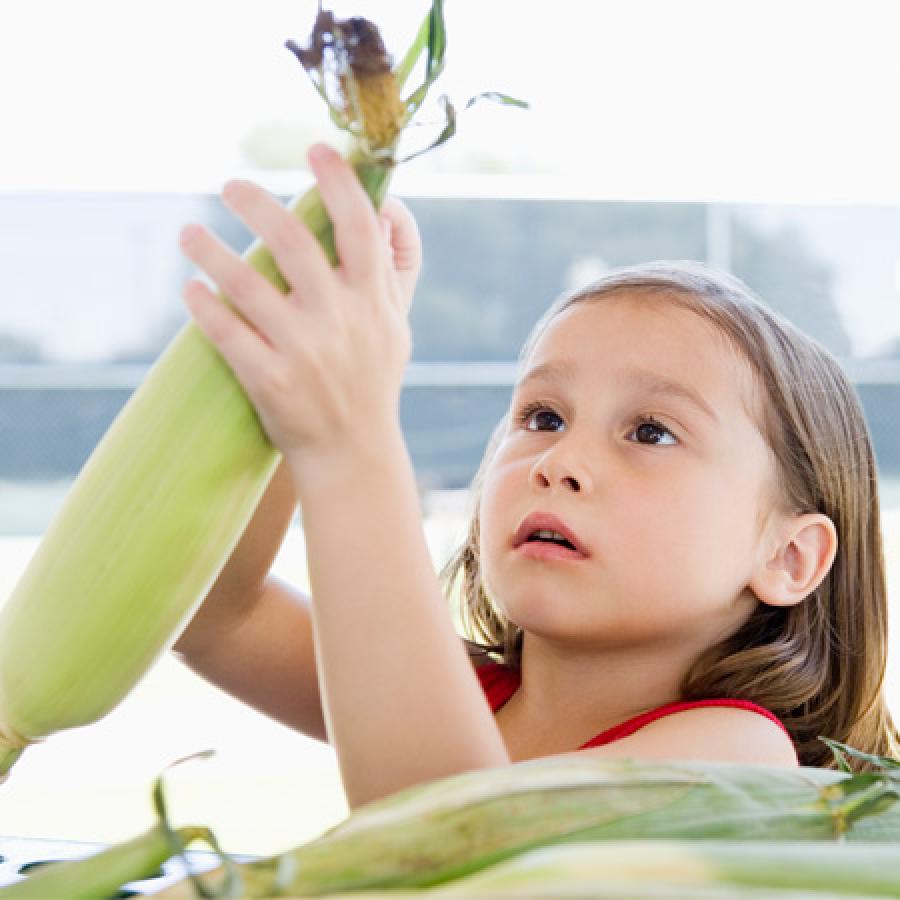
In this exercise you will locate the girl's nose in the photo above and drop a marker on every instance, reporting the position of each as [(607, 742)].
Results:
[(557, 468)]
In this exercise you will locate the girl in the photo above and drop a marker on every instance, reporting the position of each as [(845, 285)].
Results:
[(674, 551)]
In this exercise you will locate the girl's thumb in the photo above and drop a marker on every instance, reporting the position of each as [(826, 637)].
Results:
[(402, 234)]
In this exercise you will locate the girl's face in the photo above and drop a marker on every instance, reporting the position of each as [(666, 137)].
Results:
[(633, 425)]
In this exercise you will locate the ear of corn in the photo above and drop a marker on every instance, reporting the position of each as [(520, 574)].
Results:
[(668, 824), (143, 532), (434, 833), (589, 869), (600, 889), (164, 497), (161, 502)]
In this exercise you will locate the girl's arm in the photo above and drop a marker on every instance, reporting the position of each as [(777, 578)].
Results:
[(403, 703), (324, 366), (252, 636)]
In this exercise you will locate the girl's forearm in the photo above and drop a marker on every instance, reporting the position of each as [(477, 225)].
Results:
[(268, 659), (402, 702)]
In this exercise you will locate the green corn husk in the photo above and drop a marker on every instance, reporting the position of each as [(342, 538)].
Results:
[(104, 873), (443, 830), (609, 869), (643, 890), (157, 509), (595, 890), (686, 817)]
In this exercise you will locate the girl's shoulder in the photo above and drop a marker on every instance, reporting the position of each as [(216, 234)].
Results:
[(719, 730), (629, 727)]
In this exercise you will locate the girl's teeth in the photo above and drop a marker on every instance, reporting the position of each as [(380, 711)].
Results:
[(545, 534)]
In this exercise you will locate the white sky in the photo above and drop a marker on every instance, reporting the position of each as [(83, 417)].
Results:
[(687, 99)]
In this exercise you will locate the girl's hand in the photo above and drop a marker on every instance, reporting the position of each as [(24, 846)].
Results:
[(323, 365)]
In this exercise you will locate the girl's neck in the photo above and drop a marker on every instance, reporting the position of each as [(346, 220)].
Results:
[(567, 698)]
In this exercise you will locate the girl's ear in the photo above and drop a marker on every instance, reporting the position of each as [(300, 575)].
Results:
[(802, 555)]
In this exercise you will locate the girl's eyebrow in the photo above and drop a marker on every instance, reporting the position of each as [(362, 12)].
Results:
[(656, 383), (644, 379), (558, 370)]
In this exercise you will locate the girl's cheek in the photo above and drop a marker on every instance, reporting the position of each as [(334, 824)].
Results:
[(488, 507), (503, 496), (486, 518), (485, 532)]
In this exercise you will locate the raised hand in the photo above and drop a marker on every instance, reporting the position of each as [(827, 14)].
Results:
[(323, 365)]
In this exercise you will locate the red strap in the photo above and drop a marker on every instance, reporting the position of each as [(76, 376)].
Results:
[(624, 729), (501, 682)]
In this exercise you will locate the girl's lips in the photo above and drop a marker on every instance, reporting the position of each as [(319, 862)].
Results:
[(544, 521), (548, 551)]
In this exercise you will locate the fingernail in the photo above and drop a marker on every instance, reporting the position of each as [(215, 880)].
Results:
[(233, 188), (320, 153), (189, 232)]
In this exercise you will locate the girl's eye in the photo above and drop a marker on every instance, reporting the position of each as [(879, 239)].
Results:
[(648, 430), (535, 417)]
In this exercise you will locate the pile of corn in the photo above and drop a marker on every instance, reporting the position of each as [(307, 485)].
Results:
[(563, 827)]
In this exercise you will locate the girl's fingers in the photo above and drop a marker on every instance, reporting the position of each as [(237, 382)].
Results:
[(257, 299), (357, 235), (297, 253), (405, 246), (242, 348)]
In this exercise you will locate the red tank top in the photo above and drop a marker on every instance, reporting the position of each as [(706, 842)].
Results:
[(501, 682)]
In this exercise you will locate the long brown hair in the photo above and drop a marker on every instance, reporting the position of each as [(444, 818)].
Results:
[(818, 665)]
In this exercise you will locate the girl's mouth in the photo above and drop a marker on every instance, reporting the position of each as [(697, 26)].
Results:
[(544, 536), (549, 551)]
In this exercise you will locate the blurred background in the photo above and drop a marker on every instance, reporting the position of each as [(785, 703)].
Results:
[(759, 136)]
